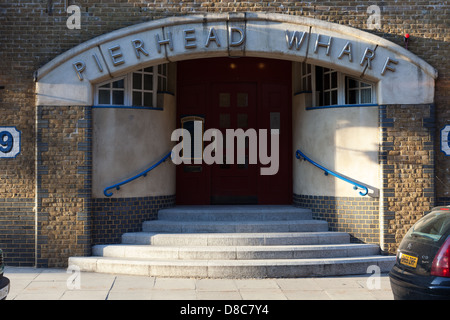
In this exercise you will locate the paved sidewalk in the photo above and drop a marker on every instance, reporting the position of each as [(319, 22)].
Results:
[(57, 284)]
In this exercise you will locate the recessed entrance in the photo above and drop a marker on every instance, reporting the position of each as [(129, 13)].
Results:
[(227, 93)]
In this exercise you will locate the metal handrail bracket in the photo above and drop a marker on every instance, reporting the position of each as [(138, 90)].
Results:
[(142, 174), (299, 154)]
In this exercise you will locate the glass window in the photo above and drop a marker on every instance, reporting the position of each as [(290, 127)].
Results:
[(189, 123), (224, 100), (433, 226), (142, 87), (357, 92), (104, 97), (162, 77), (242, 99), (306, 77), (326, 86), (112, 93), (137, 88), (330, 87)]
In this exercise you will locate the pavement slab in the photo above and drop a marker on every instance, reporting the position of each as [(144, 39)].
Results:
[(60, 284)]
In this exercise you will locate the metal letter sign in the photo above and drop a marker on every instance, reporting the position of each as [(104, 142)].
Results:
[(9, 142), (445, 140)]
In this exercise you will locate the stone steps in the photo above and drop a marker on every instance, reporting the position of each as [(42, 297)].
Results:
[(234, 242), (234, 226), (268, 268), (235, 239), (235, 252)]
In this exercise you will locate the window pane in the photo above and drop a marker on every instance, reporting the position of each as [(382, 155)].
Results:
[(275, 120), (334, 80), (162, 84), (364, 84), (118, 84), (242, 100), (103, 97), (326, 81), (108, 85), (352, 97), (137, 98), (242, 120), (430, 228), (352, 83), (118, 97), (366, 96), (137, 81), (148, 99), (326, 98), (149, 69), (224, 100), (334, 97), (148, 82)]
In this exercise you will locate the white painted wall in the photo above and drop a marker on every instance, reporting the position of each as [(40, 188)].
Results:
[(344, 140), (128, 141)]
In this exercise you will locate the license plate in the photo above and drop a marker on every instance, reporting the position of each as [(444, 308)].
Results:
[(409, 261)]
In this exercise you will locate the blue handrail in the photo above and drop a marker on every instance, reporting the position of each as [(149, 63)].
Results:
[(142, 174), (299, 154)]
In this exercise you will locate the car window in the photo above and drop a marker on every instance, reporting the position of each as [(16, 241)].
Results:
[(433, 226)]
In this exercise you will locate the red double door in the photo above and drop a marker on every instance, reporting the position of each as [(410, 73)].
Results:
[(248, 94)]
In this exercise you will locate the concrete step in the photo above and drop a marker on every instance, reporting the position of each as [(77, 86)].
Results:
[(235, 242), (234, 226), (236, 239), (235, 252), (234, 213), (268, 268)]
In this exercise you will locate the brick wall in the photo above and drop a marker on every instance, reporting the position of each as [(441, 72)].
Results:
[(17, 230), (64, 171), (358, 216), (112, 217), (406, 157)]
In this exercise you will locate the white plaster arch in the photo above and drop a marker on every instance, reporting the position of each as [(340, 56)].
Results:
[(402, 77)]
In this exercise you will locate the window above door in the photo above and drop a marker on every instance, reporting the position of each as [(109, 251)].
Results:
[(330, 87), (138, 88)]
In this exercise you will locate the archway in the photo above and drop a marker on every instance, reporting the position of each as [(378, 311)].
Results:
[(68, 79), (399, 77)]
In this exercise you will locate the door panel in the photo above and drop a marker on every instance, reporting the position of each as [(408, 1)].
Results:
[(192, 179), (275, 114), (233, 107)]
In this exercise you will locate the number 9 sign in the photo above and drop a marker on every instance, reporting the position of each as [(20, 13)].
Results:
[(9, 142), (445, 140)]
